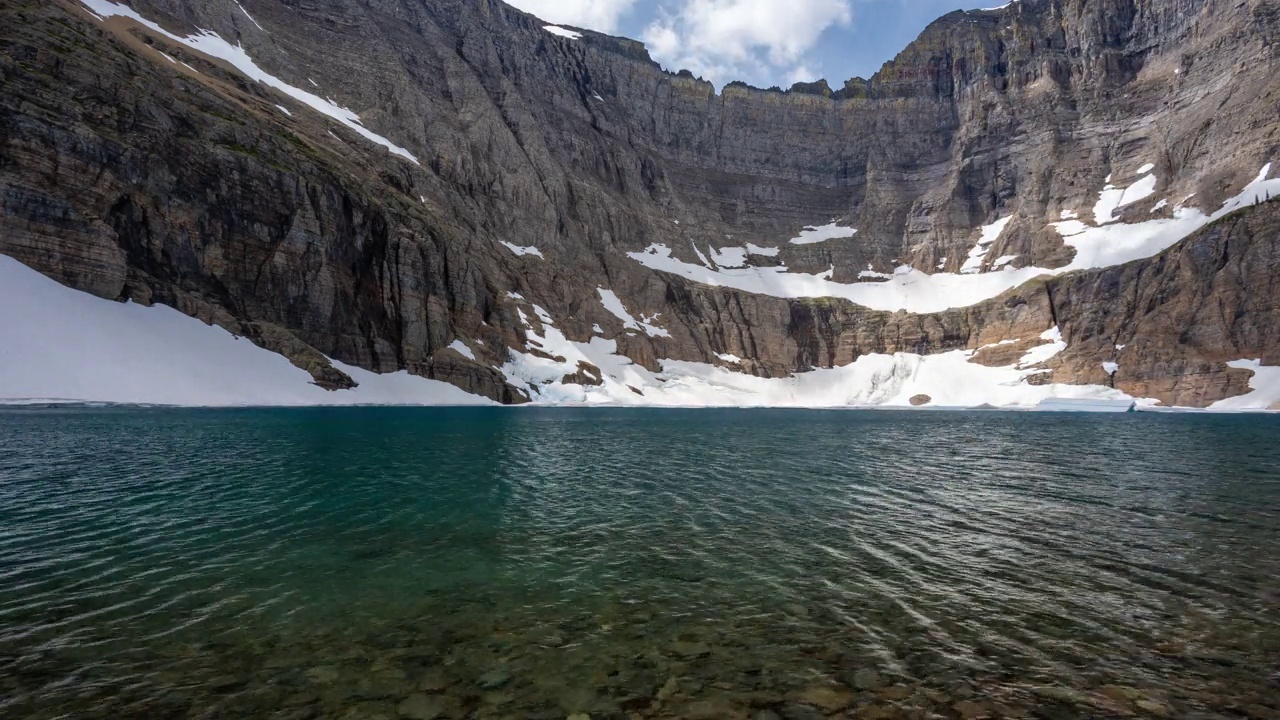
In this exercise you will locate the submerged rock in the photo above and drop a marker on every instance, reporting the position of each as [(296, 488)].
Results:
[(323, 675), (494, 679), (690, 649), (868, 679), (827, 697), (421, 706)]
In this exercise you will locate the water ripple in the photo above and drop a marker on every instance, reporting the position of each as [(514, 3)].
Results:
[(165, 563)]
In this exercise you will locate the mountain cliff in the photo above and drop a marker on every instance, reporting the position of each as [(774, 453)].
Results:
[(1056, 198)]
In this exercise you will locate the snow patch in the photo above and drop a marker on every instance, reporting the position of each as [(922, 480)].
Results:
[(1043, 353), (1146, 169), (211, 44), (918, 292), (610, 301), (950, 379), (1116, 244), (989, 234), (462, 349), (284, 110), (832, 231), (63, 344), (1113, 198), (562, 32), (763, 251), (1265, 387), (731, 257), (912, 290), (521, 250), (60, 343), (246, 14), (1110, 368)]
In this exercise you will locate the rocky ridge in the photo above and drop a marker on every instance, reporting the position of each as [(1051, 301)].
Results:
[(138, 167)]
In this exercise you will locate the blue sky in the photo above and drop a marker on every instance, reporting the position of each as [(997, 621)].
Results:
[(764, 42)]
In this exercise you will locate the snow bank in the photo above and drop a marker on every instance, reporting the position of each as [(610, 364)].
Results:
[(56, 342), (1116, 244), (211, 44), (1265, 385), (1107, 244), (61, 344), (949, 379), (913, 291)]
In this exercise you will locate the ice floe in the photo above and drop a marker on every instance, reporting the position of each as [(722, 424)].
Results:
[(1090, 405)]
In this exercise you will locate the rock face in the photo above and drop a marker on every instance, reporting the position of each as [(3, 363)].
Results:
[(134, 166)]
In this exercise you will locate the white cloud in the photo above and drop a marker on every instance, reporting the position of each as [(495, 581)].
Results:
[(725, 40), (599, 15)]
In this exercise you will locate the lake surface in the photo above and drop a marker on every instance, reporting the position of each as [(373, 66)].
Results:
[(422, 563)]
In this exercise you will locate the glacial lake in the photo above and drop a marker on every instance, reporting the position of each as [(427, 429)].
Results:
[(370, 563)]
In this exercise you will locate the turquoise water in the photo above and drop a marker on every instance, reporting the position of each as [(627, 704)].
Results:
[(364, 563)]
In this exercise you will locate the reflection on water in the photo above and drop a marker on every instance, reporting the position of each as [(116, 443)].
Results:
[(365, 563)]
